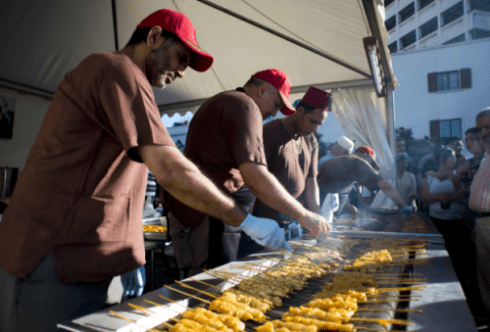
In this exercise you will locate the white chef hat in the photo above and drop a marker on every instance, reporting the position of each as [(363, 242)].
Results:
[(346, 143)]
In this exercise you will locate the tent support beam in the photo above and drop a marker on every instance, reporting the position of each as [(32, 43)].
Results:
[(295, 89), (283, 36), (114, 23)]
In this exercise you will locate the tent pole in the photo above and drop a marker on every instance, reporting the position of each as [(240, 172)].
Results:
[(274, 32), (114, 23)]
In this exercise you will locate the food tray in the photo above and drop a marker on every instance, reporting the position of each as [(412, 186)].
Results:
[(156, 236)]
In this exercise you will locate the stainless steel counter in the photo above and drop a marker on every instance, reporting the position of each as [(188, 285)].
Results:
[(443, 302)]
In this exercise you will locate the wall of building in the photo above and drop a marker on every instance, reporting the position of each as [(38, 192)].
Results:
[(415, 106), (29, 114)]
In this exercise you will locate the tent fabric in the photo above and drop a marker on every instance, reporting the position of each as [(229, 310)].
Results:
[(359, 112), (41, 40)]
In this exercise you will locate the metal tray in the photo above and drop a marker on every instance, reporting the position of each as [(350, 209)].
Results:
[(155, 236)]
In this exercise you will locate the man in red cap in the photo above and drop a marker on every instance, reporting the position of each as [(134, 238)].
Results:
[(74, 219), (291, 150), (339, 174), (225, 141)]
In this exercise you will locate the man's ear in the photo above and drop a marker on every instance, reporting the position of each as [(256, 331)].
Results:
[(154, 34)]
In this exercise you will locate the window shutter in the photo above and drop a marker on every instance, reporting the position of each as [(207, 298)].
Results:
[(435, 129), (432, 82), (465, 75)]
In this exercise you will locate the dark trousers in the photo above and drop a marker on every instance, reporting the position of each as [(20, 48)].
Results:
[(462, 252), (39, 302)]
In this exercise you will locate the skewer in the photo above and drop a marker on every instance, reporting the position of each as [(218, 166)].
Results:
[(205, 283), (133, 321), (419, 311), (196, 289), (376, 320), (387, 301), (187, 294), (173, 301), (142, 309), (360, 328)]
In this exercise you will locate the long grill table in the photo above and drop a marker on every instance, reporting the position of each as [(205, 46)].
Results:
[(349, 242)]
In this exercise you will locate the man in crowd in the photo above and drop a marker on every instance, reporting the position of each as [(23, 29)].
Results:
[(456, 143), (338, 175), (406, 184), (480, 204), (343, 146), (225, 140), (74, 218), (291, 150), (401, 144)]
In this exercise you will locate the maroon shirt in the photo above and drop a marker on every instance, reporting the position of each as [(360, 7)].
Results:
[(80, 195), (224, 133), (291, 168), (339, 174)]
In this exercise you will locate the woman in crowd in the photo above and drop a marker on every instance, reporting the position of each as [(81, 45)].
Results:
[(443, 191)]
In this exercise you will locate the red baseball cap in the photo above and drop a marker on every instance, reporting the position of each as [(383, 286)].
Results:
[(182, 27), (366, 149), (281, 82), (317, 98)]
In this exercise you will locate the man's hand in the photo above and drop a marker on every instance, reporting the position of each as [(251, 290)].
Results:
[(316, 224), (265, 232)]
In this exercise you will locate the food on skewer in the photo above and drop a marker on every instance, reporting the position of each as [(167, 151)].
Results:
[(239, 310)]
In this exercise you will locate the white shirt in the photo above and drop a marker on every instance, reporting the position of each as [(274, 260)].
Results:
[(480, 187)]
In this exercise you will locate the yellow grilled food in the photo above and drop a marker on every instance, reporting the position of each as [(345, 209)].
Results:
[(154, 228)]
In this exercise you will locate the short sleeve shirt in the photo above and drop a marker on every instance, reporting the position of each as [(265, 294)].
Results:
[(291, 164), (338, 175), (80, 194), (224, 133), (406, 185)]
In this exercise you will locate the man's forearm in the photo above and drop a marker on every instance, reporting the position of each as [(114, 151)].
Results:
[(183, 180), (270, 191), (312, 195), (392, 193)]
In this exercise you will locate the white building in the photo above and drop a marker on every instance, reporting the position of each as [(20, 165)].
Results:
[(440, 51), (415, 24)]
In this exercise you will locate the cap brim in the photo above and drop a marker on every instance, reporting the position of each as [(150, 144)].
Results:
[(201, 61), (288, 109)]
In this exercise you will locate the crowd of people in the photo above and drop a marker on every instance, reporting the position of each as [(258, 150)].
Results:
[(74, 219)]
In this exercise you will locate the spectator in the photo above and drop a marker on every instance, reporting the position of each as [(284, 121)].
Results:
[(456, 144), (406, 183), (480, 204), (401, 144)]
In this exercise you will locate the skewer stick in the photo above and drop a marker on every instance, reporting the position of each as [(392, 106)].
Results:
[(133, 321), (173, 301), (187, 294), (197, 289), (387, 301), (419, 311), (361, 328), (205, 283), (141, 309), (376, 320)]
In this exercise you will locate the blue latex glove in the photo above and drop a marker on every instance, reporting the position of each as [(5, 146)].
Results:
[(406, 211), (133, 282), (265, 232)]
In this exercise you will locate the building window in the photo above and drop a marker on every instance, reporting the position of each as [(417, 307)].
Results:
[(445, 128), (407, 40), (393, 47), (452, 13), (388, 2), (390, 23), (479, 33), (457, 39), (428, 27), (406, 12), (424, 3), (483, 5), (449, 80)]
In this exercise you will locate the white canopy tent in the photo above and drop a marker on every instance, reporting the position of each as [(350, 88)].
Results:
[(316, 42)]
